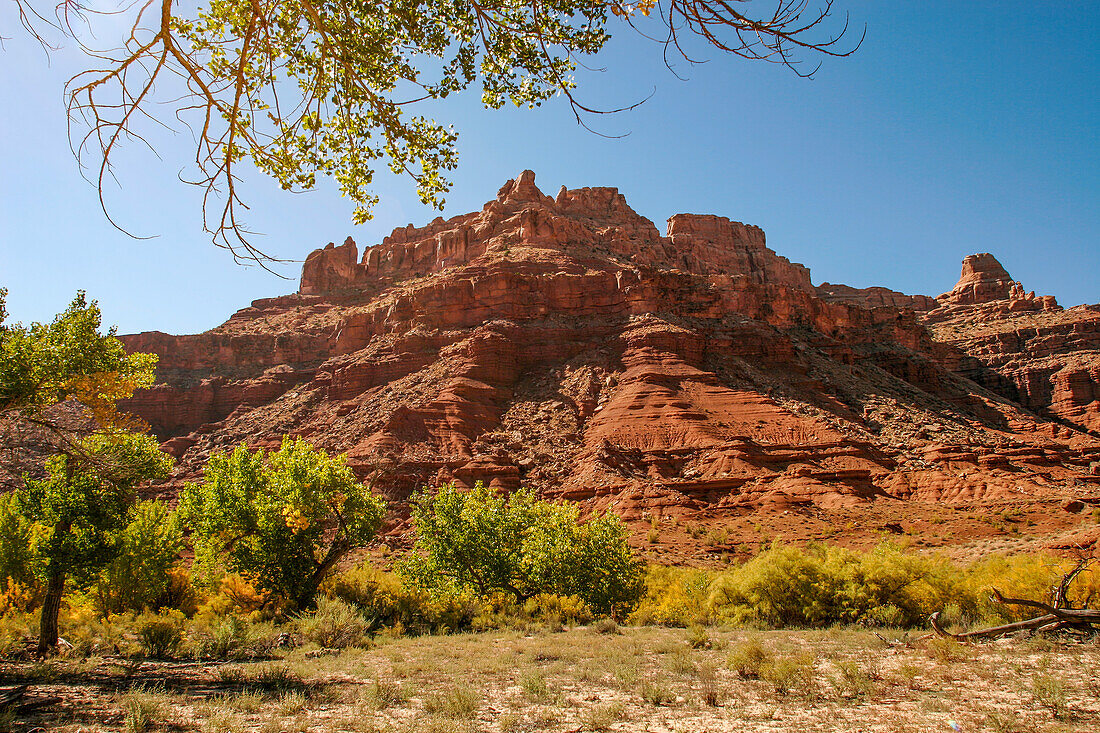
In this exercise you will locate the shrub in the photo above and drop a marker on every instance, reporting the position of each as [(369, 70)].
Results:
[(748, 658), (790, 586), (711, 693), (674, 597), (335, 624), (138, 576), (160, 636), (817, 585), (19, 588), (17, 629), (1050, 692), (535, 685), (570, 610), (655, 693), (602, 717), (485, 542), (381, 694), (788, 672), (293, 514), (18, 597), (179, 592), (457, 702), (1025, 576), (852, 680), (91, 634), (141, 711), (717, 536), (228, 637), (606, 626), (386, 601), (698, 637), (234, 595), (275, 679)]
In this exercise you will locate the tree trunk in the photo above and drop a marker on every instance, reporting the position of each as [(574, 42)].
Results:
[(51, 607), (304, 598)]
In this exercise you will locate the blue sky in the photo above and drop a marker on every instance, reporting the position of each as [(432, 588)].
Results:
[(956, 128)]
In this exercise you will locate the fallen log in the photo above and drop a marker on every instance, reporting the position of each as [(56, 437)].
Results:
[(1055, 616), (995, 631), (11, 695), (1076, 615)]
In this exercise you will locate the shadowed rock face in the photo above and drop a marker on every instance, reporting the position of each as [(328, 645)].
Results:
[(1022, 346), (563, 343)]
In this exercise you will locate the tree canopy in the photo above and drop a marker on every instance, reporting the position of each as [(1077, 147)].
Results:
[(282, 520), (332, 88), (68, 359), (488, 542), (69, 523)]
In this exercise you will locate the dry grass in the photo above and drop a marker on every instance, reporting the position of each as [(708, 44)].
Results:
[(641, 679)]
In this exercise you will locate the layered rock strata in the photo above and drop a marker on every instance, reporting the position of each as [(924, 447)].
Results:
[(1022, 346), (563, 343)]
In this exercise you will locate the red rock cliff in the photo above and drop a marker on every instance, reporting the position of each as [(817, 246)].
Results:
[(563, 343)]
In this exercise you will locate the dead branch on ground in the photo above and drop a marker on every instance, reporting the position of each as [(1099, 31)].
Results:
[(1058, 615)]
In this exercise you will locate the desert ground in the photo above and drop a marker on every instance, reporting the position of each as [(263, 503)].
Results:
[(597, 678)]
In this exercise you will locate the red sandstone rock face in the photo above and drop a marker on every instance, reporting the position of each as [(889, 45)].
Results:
[(596, 218), (874, 297), (1022, 346), (983, 279), (1047, 360), (330, 269), (562, 343)]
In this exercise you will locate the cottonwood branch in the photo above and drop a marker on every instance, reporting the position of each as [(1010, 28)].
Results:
[(303, 87)]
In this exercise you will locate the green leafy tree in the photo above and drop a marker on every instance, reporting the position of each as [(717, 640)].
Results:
[(44, 364), (78, 510), (489, 542), (147, 548), (308, 88), (281, 520), (16, 558), (67, 524)]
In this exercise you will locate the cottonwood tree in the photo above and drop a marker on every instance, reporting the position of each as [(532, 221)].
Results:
[(79, 509), (68, 361), (139, 575), (59, 387), (332, 88), (487, 542), (282, 520)]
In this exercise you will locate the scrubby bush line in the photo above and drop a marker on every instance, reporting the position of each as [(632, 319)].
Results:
[(784, 585), (788, 586), (482, 560)]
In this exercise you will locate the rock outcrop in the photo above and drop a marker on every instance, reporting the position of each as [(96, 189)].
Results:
[(984, 280), (875, 297), (1022, 346), (695, 379)]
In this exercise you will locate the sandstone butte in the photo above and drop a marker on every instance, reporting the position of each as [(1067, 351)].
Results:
[(695, 383)]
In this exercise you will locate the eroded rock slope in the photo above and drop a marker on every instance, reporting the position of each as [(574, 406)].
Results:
[(696, 383)]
